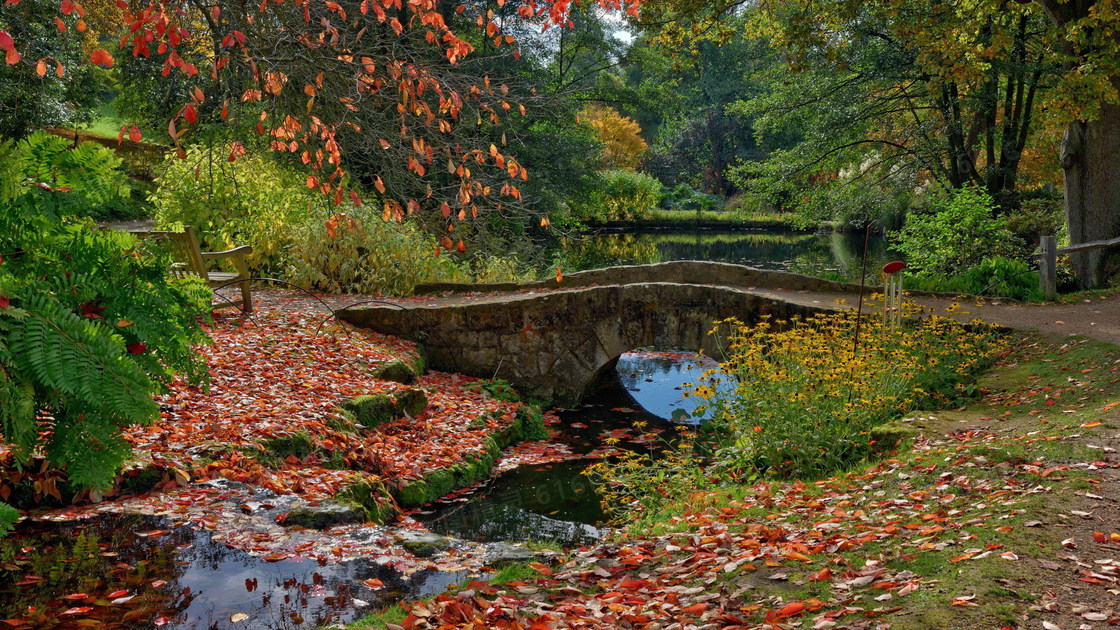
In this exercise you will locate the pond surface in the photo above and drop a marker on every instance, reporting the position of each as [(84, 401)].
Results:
[(133, 571), (830, 254), (554, 502)]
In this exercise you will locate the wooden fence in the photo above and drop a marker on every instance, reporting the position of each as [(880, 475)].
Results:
[(1048, 260)]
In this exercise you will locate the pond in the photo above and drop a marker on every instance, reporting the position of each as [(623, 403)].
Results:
[(836, 255)]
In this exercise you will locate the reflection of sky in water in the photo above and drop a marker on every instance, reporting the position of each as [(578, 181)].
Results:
[(656, 380), (208, 582)]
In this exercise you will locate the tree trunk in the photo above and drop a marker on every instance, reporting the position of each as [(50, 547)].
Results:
[(1091, 160)]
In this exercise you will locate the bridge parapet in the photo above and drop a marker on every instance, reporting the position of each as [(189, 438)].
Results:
[(554, 345), (677, 271)]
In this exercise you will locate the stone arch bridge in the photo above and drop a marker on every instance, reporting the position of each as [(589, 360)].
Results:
[(553, 340)]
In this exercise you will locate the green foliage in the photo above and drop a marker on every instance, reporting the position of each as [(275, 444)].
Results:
[(998, 276), (360, 252), (29, 102), (685, 198), (90, 174), (959, 228), (90, 328), (8, 517), (623, 196), (252, 201)]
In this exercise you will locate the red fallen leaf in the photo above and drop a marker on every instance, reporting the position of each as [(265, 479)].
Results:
[(1100, 537), (1089, 425), (5, 302), (789, 610), (6, 41), (373, 583), (161, 621), (15, 623), (695, 609), (31, 581), (137, 348), (76, 596), (77, 610), (158, 583), (822, 575), (541, 568)]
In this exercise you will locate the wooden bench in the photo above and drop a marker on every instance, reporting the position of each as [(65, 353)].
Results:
[(190, 261)]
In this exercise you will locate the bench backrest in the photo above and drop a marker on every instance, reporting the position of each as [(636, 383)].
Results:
[(184, 249)]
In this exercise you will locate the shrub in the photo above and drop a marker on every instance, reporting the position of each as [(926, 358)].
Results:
[(685, 198), (998, 276), (960, 228), (623, 196), (90, 328), (359, 251), (805, 398), (253, 201)]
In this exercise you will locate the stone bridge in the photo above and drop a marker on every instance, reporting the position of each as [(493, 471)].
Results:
[(555, 343)]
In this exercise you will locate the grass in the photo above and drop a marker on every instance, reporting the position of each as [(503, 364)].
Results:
[(107, 123), (722, 217)]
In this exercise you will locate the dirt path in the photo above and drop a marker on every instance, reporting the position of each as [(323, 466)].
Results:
[(1097, 318)]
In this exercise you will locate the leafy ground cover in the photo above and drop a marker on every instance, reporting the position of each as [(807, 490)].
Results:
[(271, 415), (998, 516)]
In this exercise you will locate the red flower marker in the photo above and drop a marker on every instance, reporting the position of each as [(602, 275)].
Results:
[(137, 348)]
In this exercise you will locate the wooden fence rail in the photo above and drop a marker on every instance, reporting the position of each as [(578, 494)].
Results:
[(1048, 260)]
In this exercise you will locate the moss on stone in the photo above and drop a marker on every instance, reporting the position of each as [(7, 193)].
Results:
[(342, 421), (397, 371), (279, 448), (887, 437), (372, 498), (474, 467), (372, 409), (411, 401), (532, 423)]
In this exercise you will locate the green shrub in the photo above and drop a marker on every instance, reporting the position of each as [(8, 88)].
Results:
[(999, 276), (684, 198), (622, 196), (361, 252), (253, 201), (960, 228)]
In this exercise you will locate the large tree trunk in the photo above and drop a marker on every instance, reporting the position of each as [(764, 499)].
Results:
[(1091, 160)]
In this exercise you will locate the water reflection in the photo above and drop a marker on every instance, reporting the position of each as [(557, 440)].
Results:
[(657, 380), (130, 571), (552, 503), (834, 255)]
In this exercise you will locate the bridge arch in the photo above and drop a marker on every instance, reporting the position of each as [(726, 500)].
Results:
[(554, 345)]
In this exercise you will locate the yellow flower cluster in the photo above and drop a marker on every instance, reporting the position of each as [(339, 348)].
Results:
[(807, 392)]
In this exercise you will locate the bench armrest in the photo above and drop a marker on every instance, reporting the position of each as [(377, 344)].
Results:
[(236, 251)]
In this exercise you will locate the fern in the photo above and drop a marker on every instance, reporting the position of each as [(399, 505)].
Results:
[(72, 303)]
